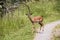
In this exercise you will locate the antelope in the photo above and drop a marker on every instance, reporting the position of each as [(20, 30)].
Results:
[(36, 19)]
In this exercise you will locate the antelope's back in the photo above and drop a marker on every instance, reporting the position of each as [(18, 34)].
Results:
[(37, 18)]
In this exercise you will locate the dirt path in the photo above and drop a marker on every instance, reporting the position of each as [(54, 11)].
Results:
[(47, 33)]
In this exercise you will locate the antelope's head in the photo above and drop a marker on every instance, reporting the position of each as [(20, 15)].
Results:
[(29, 14)]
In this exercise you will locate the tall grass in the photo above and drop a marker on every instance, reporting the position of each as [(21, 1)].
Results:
[(56, 35), (18, 26)]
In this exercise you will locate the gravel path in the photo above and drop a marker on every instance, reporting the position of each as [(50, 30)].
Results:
[(47, 33)]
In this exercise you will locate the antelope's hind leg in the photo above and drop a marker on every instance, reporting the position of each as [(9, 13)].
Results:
[(41, 24), (42, 27)]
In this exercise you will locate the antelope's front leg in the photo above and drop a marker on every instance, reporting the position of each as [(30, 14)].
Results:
[(33, 29)]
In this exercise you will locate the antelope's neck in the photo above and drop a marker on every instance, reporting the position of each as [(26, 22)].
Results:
[(30, 18)]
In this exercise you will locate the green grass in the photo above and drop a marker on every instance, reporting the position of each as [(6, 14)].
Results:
[(19, 27), (56, 37)]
